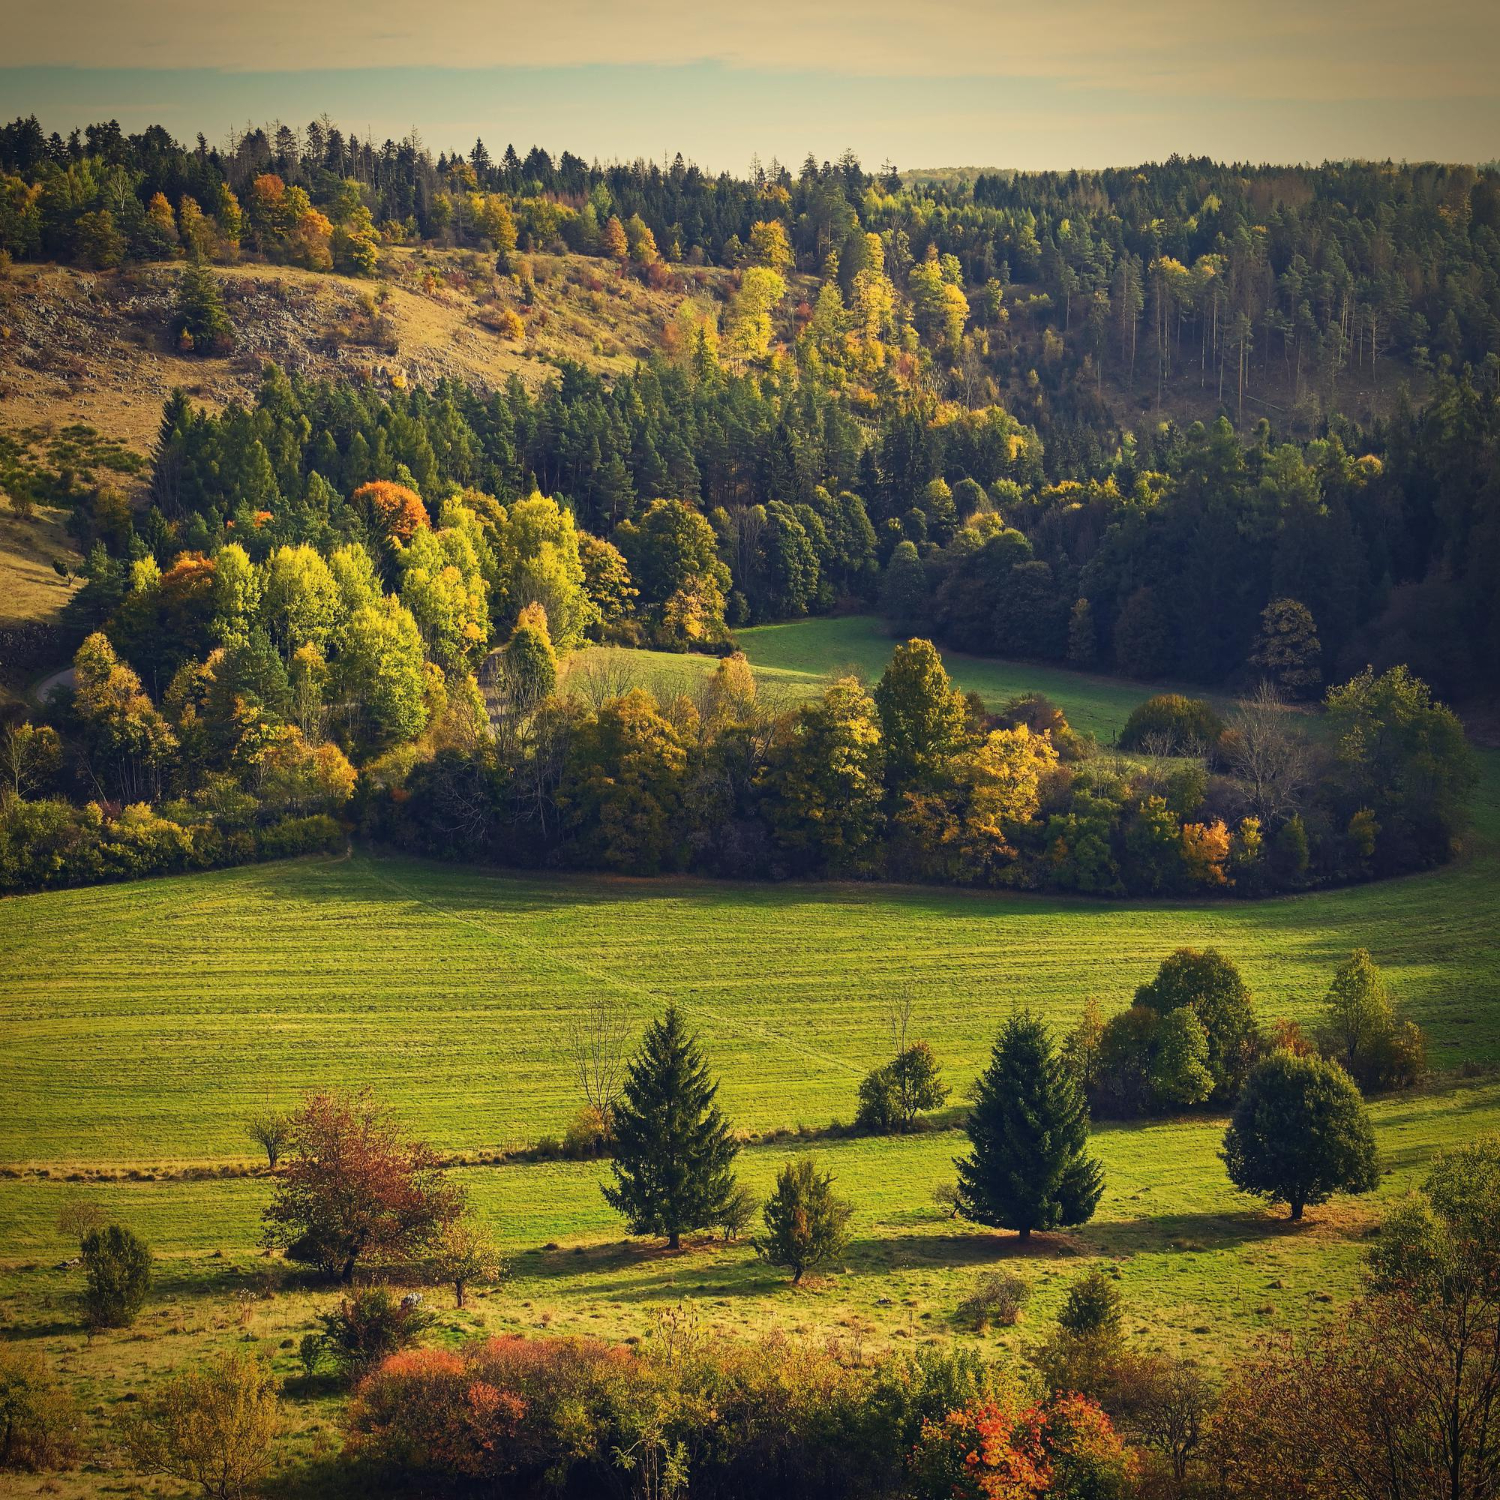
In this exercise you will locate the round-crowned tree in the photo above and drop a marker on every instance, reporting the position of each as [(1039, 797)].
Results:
[(1209, 984), (1300, 1133)]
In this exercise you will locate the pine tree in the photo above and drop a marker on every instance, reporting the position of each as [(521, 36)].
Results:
[(1029, 1167), (673, 1150), (200, 322)]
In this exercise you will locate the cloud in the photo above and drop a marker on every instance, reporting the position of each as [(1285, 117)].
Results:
[(1282, 49)]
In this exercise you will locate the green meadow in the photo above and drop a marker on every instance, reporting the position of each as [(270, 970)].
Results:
[(794, 661), (140, 1024)]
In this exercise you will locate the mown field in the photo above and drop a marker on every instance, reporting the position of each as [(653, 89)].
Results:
[(140, 1024)]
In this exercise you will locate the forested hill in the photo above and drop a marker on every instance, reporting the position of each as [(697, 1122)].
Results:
[(1082, 299)]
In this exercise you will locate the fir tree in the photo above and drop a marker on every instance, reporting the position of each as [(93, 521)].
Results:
[(673, 1150), (199, 322), (1029, 1167)]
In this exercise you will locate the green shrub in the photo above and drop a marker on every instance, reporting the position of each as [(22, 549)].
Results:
[(38, 1422), (1093, 1305), (117, 1271), (1170, 724), (369, 1325)]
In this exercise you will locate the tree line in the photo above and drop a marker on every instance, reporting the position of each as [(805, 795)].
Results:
[(1233, 270), (779, 499)]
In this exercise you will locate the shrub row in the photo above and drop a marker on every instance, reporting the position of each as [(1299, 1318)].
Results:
[(51, 843)]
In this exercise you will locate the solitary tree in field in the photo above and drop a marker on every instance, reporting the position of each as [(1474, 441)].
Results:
[(356, 1188), (807, 1225), (1300, 1133), (1029, 1167), (270, 1131), (463, 1253), (117, 1270), (673, 1150)]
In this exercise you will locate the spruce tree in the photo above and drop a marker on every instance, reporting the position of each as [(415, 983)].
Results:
[(199, 322), (673, 1150), (1029, 1167)]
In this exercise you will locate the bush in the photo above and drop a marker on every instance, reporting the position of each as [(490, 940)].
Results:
[(1063, 1447), (1170, 724), (558, 1415), (588, 1134), (117, 1268), (1092, 1306), (38, 1422), (997, 1298), (893, 1095), (508, 1408), (371, 1324), (806, 1224), (215, 1427), (317, 834)]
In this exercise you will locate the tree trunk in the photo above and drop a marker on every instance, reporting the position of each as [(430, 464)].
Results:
[(1025, 1234), (674, 1240), (347, 1274), (1296, 1210), (458, 1292)]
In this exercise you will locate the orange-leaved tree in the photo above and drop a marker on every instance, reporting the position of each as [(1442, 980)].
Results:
[(1001, 1449), (395, 510), (356, 1189)]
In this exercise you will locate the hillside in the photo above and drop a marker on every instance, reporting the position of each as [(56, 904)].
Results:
[(92, 347)]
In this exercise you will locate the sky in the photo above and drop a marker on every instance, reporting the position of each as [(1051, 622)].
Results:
[(1083, 83)]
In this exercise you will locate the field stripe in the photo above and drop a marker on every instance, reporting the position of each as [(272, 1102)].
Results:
[(604, 976)]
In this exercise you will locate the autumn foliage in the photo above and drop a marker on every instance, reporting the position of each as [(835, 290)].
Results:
[(396, 510), (1000, 1449), (356, 1189)]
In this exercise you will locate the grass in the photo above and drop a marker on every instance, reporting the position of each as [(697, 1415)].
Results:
[(30, 587), (140, 1023), (796, 660)]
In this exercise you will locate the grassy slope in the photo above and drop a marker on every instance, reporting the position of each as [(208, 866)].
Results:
[(30, 588)]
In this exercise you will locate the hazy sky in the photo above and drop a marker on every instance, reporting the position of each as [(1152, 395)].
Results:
[(945, 82)]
